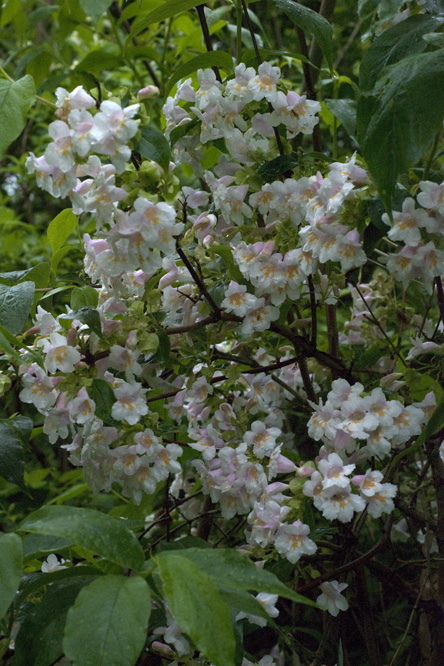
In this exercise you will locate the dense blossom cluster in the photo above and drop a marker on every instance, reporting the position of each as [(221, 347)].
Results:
[(235, 421)]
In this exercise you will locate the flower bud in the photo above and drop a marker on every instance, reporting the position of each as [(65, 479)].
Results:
[(148, 93)]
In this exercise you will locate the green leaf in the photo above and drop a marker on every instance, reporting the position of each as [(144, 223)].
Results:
[(202, 61), (163, 351), (94, 8), (90, 317), (240, 600), (196, 605), (274, 168), (99, 60), (10, 569), (38, 274), (345, 111), (100, 533), (60, 228), (36, 545), (167, 10), (401, 40), (15, 305), (226, 254), (103, 396), (120, 610), (16, 98), (39, 641), (82, 297), (154, 146), (12, 456), (312, 22), (233, 570), (22, 426), (398, 120), (58, 256)]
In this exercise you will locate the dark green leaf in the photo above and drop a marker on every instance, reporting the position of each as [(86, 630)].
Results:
[(154, 146), (108, 537), (401, 40), (38, 274), (435, 7), (202, 61), (279, 165), (182, 130), (10, 569), (345, 111), (312, 22), (21, 425), (196, 605), (103, 396), (12, 456), (15, 305), (120, 609), (165, 11), (16, 98), (398, 120), (39, 641), (90, 317), (163, 351), (36, 545), (95, 8), (82, 297), (97, 61), (240, 600)]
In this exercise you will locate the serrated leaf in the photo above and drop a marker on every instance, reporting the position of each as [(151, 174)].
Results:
[(39, 641), (10, 569), (395, 43), (196, 605), (12, 456), (16, 98), (120, 607), (312, 22), (154, 146), (202, 61), (345, 111), (233, 570), (167, 10), (398, 120), (94, 8), (15, 305), (60, 228), (108, 537)]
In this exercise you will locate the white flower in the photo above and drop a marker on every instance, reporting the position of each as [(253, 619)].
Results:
[(292, 541), (52, 564), (59, 355), (331, 598)]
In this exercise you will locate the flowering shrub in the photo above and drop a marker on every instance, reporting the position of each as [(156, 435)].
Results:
[(247, 372)]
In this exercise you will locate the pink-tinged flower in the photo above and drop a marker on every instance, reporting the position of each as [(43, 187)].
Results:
[(335, 473), (331, 598), (77, 99), (263, 85), (421, 348), (432, 196), (260, 318), (262, 439), (38, 388), (237, 88), (369, 483), (57, 422), (59, 355), (381, 501), (148, 92), (340, 506), (238, 300), (130, 404), (82, 408), (292, 542), (406, 225)]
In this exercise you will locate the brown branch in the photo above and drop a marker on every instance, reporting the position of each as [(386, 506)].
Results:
[(207, 37)]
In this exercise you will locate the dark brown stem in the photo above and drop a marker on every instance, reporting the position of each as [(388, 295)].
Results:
[(332, 334), (197, 279), (309, 86), (308, 386), (207, 36), (326, 10), (314, 319), (440, 295)]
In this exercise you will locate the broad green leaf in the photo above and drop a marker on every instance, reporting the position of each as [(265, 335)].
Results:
[(15, 305), (233, 570), (345, 111), (401, 40), (6, 344), (103, 396), (12, 456), (240, 600), (36, 545), (10, 569), (8, 9), (98, 60), (39, 641), (202, 61), (94, 8), (16, 98), (398, 120), (225, 253), (120, 610), (154, 146), (58, 256), (38, 274), (60, 228), (196, 605), (82, 297), (100, 533), (90, 317), (312, 22), (163, 351), (165, 11), (274, 168)]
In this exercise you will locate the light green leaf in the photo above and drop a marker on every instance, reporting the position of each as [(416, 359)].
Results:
[(120, 610), (15, 305), (100, 533), (167, 10), (16, 98), (154, 146), (398, 120), (395, 43), (202, 61), (233, 570), (57, 258), (312, 22), (196, 605), (95, 8), (60, 228), (10, 569)]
